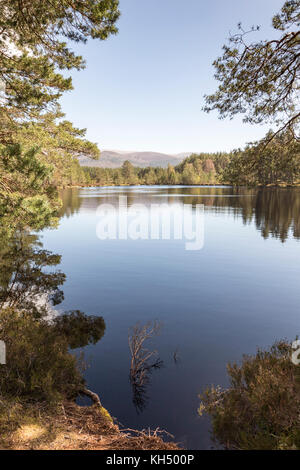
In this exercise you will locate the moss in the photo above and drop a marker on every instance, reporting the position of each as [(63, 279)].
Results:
[(106, 414)]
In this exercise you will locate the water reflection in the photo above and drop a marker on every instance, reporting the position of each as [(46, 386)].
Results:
[(30, 282), (26, 280), (275, 212), (140, 395)]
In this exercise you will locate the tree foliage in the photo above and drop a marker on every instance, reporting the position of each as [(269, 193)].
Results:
[(34, 45), (27, 195), (39, 364), (260, 410), (258, 164), (35, 48), (261, 79)]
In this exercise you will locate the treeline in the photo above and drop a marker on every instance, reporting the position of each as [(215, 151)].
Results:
[(196, 169), (277, 163)]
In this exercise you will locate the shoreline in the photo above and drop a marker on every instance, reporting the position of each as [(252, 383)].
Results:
[(218, 185)]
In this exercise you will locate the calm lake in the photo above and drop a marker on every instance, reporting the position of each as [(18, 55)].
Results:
[(237, 293)]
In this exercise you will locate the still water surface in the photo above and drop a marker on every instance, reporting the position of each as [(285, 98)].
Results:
[(240, 291)]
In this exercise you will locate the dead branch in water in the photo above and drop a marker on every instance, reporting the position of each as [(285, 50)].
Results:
[(176, 356), (143, 361), (140, 356)]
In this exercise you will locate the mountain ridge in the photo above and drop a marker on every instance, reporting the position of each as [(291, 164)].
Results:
[(115, 159)]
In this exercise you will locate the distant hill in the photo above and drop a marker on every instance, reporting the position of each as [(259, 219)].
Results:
[(115, 159)]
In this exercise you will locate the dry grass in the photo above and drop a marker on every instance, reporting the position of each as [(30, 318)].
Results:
[(71, 427)]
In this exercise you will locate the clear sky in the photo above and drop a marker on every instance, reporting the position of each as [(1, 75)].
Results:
[(143, 89)]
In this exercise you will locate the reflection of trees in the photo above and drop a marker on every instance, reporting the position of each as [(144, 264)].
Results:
[(70, 200), (140, 395), (30, 284), (24, 283), (80, 329), (275, 211)]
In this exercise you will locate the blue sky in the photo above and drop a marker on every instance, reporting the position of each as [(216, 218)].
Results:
[(143, 89)]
